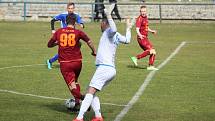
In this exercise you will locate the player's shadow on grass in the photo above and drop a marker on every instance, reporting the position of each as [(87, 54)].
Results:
[(59, 107), (136, 67)]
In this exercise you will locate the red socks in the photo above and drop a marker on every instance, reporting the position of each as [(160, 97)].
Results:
[(76, 93), (144, 54), (151, 59)]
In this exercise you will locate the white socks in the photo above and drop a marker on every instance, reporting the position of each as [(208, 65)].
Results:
[(85, 105), (90, 100), (96, 106)]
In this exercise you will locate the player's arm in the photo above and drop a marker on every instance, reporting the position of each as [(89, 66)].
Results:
[(127, 38), (56, 18), (138, 32), (91, 46), (52, 25), (53, 41), (112, 25), (152, 31), (138, 24)]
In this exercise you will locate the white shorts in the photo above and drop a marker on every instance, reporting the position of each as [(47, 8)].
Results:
[(103, 75)]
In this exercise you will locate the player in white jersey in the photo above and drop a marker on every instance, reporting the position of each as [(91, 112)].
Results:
[(105, 58)]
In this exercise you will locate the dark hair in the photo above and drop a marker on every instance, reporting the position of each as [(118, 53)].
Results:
[(143, 6), (70, 4), (105, 20), (71, 19)]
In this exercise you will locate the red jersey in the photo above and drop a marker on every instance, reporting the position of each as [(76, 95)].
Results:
[(68, 40), (142, 23)]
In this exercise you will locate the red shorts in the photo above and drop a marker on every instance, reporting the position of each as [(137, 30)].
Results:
[(145, 44), (70, 71)]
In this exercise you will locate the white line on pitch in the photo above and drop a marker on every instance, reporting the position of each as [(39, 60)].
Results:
[(53, 98), (144, 85), (21, 66), (32, 95), (200, 42)]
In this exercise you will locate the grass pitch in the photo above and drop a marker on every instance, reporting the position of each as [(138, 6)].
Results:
[(183, 90)]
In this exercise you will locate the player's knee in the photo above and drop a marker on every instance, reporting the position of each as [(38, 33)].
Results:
[(72, 85), (92, 90), (152, 52)]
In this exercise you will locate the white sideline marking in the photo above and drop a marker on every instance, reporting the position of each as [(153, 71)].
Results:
[(32, 95), (200, 42), (21, 66), (53, 98), (114, 104), (144, 85)]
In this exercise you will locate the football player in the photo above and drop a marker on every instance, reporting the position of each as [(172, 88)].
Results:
[(70, 57), (62, 18), (142, 29)]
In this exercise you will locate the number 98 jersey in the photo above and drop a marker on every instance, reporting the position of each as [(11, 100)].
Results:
[(68, 40)]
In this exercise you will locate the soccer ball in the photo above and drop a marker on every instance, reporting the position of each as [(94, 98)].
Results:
[(70, 103)]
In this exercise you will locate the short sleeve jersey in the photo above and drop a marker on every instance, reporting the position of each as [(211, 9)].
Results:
[(142, 23), (68, 40)]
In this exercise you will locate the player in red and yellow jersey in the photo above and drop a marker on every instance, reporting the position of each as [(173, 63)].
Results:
[(70, 57), (142, 29)]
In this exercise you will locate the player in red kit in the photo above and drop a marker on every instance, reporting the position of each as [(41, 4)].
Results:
[(142, 30), (70, 57)]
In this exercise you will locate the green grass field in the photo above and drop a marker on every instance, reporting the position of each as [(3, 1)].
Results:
[(183, 90)]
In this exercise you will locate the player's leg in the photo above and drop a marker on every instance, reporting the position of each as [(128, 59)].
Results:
[(103, 82), (70, 72), (134, 60), (146, 46), (54, 58), (152, 57), (50, 61), (144, 54), (152, 54), (151, 51), (107, 73), (142, 44), (77, 90), (102, 76), (87, 100), (78, 87), (96, 108), (86, 103), (96, 16), (151, 60)]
